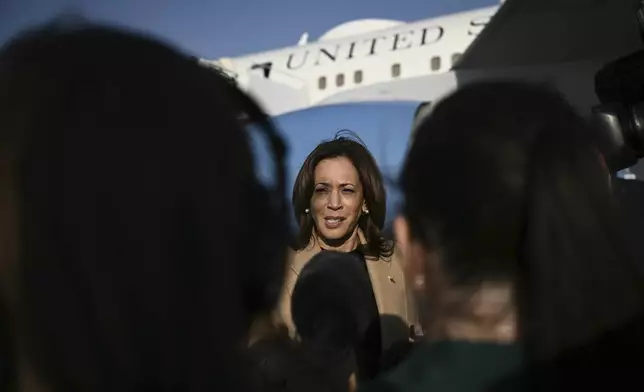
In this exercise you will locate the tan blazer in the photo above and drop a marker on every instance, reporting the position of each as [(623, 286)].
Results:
[(392, 297)]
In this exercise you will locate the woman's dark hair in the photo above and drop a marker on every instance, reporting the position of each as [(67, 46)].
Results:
[(138, 200), (334, 312), (345, 144), (505, 181), (329, 305)]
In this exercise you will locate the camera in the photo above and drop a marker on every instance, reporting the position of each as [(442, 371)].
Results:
[(619, 85)]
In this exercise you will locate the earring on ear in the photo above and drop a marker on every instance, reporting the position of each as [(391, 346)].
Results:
[(306, 211), (419, 282), (365, 209)]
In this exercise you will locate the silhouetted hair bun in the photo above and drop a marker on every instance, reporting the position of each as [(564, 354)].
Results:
[(330, 303)]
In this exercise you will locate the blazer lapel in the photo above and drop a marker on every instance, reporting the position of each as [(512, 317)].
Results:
[(382, 279), (374, 267)]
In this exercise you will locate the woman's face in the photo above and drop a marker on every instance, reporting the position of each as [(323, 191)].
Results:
[(337, 199)]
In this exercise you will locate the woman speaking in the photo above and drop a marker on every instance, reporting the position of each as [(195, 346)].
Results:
[(339, 202)]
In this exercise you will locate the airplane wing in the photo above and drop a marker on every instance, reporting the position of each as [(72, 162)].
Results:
[(532, 32)]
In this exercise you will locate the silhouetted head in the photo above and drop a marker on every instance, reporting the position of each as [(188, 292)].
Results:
[(333, 309), (338, 191), (146, 241), (508, 221), (331, 298)]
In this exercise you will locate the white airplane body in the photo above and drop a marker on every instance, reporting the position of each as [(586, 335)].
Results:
[(554, 41), (354, 55)]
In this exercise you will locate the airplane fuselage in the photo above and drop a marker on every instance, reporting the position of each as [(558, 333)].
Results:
[(316, 71)]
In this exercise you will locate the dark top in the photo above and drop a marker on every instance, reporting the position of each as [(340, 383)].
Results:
[(456, 366), (369, 346)]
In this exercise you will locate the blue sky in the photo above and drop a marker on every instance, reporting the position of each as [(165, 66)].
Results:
[(226, 28)]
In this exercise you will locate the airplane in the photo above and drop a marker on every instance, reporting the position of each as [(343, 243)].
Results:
[(560, 42), (552, 41), (352, 55)]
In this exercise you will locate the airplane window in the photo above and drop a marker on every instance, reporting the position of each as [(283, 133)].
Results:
[(357, 77), (455, 57), (395, 70), (339, 80), (436, 63), (322, 83)]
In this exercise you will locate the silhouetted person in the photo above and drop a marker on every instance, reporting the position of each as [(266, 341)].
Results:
[(128, 202), (334, 313), (512, 244), (333, 310)]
